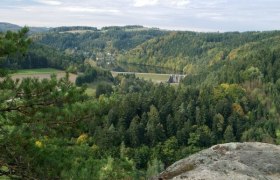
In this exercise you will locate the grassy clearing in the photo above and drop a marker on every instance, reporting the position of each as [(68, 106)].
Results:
[(91, 87), (37, 71), (153, 77), (90, 92), (43, 73), (77, 31), (148, 76)]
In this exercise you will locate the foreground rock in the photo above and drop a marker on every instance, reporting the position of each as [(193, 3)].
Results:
[(229, 161)]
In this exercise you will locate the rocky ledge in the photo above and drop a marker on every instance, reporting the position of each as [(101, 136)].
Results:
[(250, 160)]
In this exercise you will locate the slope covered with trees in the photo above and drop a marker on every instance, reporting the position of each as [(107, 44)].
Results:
[(42, 56), (191, 51), (52, 129), (90, 41)]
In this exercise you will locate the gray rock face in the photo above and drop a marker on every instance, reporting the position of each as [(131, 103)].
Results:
[(244, 161)]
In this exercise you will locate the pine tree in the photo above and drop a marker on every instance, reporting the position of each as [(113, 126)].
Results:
[(155, 130), (228, 134), (154, 168), (136, 132)]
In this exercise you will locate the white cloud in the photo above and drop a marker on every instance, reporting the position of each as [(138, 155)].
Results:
[(211, 15), (49, 2), (199, 15), (180, 3), (80, 9), (141, 3), (162, 3)]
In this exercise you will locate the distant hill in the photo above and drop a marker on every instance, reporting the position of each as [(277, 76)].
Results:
[(204, 55), (127, 28), (7, 26), (13, 27), (73, 29), (188, 50), (91, 41), (38, 29)]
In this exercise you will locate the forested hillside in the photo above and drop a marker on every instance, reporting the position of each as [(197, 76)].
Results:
[(192, 51), (42, 56), (189, 52), (90, 41), (7, 26), (133, 129)]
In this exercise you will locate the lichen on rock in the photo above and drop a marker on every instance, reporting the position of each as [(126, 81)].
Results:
[(250, 160)]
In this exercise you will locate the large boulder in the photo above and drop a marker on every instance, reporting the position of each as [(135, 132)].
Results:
[(250, 160)]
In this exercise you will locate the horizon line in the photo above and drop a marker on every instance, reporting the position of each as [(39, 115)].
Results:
[(144, 26)]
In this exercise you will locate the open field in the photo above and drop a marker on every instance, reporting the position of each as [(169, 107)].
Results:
[(42, 74), (78, 31), (154, 77), (91, 87), (47, 72), (90, 91), (37, 71), (158, 78)]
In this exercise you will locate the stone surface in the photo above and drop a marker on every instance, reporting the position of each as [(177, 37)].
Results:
[(248, 161)]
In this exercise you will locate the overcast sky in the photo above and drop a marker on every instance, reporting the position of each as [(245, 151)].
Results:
[(197, 15)]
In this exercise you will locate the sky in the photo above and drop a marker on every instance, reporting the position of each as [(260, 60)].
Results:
[(194, 15)]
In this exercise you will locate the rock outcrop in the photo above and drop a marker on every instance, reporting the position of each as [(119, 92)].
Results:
[(234, 161)]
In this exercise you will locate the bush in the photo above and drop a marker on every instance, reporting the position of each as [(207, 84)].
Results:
[(103, 88)]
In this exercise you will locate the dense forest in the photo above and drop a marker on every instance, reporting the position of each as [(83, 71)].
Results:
[(42, 56), (132, 128), (192, 51), (90, 41)]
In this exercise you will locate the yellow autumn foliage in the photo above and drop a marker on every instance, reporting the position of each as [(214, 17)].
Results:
[(39, 144), (95, 147), (233, 54), (82, 138), (234, 91), (238, 109), (225, 86), (189, 69)]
